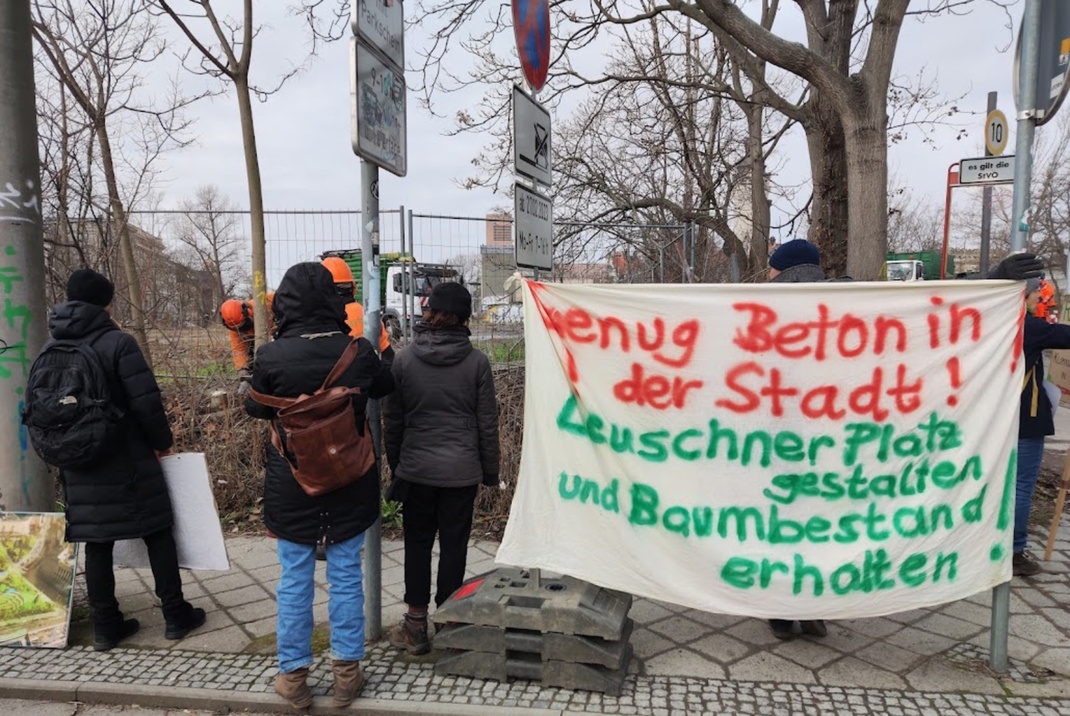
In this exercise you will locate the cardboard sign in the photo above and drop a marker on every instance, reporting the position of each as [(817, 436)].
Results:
[(789, 451), (198, 534)]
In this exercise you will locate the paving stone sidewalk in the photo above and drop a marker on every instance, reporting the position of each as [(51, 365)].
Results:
[(926, 661)]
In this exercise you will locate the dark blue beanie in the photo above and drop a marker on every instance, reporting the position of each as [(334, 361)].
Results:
[(795, 253)]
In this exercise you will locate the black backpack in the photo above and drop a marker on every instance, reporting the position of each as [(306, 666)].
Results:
[(69, 414)]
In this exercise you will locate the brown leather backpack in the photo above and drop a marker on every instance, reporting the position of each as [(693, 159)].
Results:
[(319, 439)]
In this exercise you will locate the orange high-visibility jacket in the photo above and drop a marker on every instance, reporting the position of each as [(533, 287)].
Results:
[(243, 342), (355, 321)]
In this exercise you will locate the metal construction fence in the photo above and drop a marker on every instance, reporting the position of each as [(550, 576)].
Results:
[(617, 252)]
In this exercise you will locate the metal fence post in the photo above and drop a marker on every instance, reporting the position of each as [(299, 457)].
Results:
[(404, 288)]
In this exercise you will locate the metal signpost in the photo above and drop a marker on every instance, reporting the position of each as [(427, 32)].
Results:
[(377, 111), (997, 132)]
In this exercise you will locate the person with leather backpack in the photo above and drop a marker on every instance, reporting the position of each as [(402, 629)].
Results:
[(313, 382), (93, 409)]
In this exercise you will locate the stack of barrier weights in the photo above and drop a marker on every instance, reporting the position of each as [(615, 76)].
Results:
[(563, 631)]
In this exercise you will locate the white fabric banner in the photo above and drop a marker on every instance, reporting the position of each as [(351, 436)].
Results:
[(802, 451), (198, 534)]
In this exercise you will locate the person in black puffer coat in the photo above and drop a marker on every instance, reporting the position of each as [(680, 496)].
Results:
[(441, 432), (310, 336), (124, 496)]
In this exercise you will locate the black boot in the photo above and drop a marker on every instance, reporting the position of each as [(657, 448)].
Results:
[(107, 639), (178, 630)]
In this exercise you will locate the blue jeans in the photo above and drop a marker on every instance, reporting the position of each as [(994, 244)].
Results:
[(296, 591), (1030, 453)]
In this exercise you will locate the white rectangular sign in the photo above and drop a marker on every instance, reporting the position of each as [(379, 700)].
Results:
[(987, 170), (534, 229), (377, 109), (531, 138), (198, 535), (382, 24), (786, 451)]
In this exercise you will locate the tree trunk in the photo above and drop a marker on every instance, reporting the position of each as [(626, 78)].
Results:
[(759, 197), (828, 163), (867, 182), (133, 281), (256, 210)]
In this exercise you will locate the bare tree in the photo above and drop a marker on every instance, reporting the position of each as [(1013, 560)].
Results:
[(209, 229), (97, 50), (227, 54)]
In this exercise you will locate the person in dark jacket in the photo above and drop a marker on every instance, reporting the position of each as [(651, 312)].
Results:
[(310, 336), (441, 432), (124, 496), (1035, 422), (796, 261)]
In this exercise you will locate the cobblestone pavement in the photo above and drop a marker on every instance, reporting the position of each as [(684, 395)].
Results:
[(928, 661)]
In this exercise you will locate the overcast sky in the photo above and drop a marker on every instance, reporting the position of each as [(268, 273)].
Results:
[(303, 132)]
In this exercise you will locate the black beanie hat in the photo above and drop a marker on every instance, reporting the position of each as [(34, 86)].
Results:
[(795, 253), (451, 297), (90, 287)]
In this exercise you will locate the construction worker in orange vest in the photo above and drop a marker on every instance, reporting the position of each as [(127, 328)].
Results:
[(1046, 307), (237, 316), (347, 286)]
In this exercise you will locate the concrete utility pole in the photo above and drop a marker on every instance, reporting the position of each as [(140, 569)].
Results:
[(25, 484), (373, 541)]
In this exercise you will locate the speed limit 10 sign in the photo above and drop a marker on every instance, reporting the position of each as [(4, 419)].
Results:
[(996, 132)]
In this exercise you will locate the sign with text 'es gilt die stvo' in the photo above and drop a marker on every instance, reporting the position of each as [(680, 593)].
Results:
[(794, 451)]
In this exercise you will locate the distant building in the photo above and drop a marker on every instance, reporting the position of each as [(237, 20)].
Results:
[(497, 259)]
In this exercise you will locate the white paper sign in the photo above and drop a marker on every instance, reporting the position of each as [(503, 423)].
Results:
[(792, 451), (198, 534)]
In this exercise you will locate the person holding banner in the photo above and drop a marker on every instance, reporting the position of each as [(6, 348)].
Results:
[(311, 339), (441, 433), (797, 261), (1036, 419)]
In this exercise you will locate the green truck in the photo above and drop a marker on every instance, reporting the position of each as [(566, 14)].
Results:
[(917, 266), (398, 271)]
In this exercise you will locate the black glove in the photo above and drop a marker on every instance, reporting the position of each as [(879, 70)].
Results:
[(1018, 267), (490, 480)]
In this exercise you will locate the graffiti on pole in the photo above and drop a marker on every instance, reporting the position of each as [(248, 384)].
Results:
[(15, 319), (24, 203)]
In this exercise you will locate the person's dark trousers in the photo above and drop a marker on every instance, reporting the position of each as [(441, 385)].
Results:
[(427, 510), (100, 581)]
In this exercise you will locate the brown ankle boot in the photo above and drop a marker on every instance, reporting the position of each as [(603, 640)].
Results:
[(294, 688), (411, 635), (348, 681)]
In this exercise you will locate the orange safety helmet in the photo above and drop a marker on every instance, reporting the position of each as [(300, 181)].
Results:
[(235, 314), (342, 275)]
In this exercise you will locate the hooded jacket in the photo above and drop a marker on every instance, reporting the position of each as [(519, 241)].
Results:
[(1035, 419), (800, 273), (441, 423), (124, 496), (310, 336)]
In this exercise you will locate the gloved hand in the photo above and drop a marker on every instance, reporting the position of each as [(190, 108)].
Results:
[(490, 480), (1018, 267)]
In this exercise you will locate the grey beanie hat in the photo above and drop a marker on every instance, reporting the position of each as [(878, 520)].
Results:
[(1032, 284)]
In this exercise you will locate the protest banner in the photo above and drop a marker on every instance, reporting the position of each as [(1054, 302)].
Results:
[(198, 534), (812, 451)]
